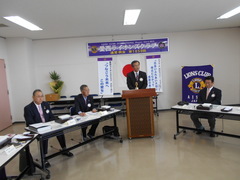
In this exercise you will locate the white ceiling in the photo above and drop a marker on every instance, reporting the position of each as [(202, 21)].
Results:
[(76, 18)]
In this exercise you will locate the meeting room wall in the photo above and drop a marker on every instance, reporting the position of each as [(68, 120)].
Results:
[(68, 56), (21, 75), (3, 55), (217, 47)]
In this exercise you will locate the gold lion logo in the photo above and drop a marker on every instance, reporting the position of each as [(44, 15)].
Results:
[(196, 84), (94, 49)]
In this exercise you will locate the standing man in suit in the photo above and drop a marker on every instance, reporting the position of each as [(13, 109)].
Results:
[(211, 95), (38, 111), (84, 103), (136, 79)]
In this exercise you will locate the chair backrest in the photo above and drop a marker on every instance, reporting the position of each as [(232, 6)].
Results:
[(63, 96), (116, 93), (93, 94), (72, 111), (73, 96)]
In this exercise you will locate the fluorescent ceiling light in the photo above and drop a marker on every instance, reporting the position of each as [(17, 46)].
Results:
[(230, 13), (24, 23), (131, 16)]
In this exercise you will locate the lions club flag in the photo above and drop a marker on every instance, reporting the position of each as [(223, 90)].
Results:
[(193, 81)]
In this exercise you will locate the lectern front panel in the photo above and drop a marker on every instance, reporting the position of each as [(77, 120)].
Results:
[(140, 115)]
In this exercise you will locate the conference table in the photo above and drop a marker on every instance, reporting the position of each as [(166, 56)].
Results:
[(233, 115), (98, 101), (75, 123), (12, 152)]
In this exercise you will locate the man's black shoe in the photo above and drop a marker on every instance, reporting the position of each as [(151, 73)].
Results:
[(90, 136), (199, 131), (47, 164), (212, 134), (68, 154)]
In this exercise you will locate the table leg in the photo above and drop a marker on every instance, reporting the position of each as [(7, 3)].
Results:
[(177, 126), (115, 120), (177, 121), (43, 158), (3, 175)]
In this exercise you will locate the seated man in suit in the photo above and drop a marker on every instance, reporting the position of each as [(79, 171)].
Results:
[(211, 95), (136, 79), (39, 111), (84, 103)]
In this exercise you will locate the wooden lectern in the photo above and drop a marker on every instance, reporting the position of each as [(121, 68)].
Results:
[(139, 107)]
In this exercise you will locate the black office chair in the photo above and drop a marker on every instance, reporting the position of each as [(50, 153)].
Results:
[(73, 96), (61, 107), (93, 94), (96, 104), (117, 104), (72, 111), (23, 163)]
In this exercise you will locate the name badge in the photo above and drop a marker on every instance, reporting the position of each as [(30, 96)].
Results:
[(47, 111), (89, 105), (141, 79), (213, 95), (71, 122), (10, 149)]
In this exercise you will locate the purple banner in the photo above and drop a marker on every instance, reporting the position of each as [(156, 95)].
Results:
[(193, 81), (128, 47), (104, 59), (153, 57)]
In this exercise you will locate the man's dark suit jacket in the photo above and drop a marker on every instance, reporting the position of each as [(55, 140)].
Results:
[(32, 115), (131, 80), (81, 105), (214, 97)]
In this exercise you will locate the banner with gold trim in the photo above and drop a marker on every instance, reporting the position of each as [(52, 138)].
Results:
[(193, 81), (128, 47)]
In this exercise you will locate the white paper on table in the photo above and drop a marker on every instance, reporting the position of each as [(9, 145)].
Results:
[(64, 117), (206, 104), (9, 150), (105, 107), (20, 136), (228, 108), (91, 113), (40, 125)]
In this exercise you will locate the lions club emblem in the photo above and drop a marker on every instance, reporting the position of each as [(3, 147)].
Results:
[(196, 84), (94, 49)]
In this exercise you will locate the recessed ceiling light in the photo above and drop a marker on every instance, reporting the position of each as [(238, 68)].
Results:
[(230, 13), (131, 16), (24, 23)]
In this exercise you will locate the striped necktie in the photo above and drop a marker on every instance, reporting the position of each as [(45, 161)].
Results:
[(208, 91), (41, 113), (137, 76)]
